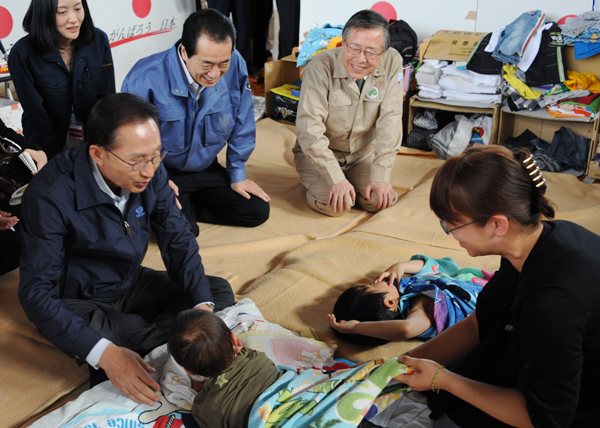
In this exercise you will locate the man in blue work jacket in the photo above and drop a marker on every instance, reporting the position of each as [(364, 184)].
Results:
[(86, 221), (200, 87)]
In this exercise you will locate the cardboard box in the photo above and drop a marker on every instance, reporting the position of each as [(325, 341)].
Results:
[(449, 45), (279, 72), (11, 113)]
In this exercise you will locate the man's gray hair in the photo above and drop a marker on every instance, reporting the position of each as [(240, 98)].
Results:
[(368, 19)]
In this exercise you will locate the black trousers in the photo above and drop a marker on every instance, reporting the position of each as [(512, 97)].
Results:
[(262, 10), (10, 242), (207, 196), (289, 25), (141, 319), (241, 14)]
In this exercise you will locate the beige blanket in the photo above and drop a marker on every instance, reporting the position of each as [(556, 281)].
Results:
[(302, 260)]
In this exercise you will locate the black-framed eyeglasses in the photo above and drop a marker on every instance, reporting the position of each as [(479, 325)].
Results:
[(140, 165), (356, 50), (445, 226)]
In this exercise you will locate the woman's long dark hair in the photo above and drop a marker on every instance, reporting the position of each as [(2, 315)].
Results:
[(489, 180), (40, 23)]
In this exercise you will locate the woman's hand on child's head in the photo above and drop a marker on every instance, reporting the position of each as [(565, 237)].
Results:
[(342, 326)]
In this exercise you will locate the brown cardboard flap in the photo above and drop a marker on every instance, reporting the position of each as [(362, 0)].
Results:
[(452, 45)]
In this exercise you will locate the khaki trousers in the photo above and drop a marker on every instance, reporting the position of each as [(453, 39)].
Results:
[(317, 189)]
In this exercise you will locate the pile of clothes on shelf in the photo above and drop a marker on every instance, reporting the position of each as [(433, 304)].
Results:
[(583, 32), (568, 151), (447, 133), (438, 79), (523, 62), (535, 77)]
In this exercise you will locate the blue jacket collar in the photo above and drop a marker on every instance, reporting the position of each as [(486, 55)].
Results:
[(87, 192)]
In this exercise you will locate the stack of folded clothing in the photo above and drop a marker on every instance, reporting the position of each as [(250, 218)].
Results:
[(437, 79), (428, 76), (467, 85), (583, 32)]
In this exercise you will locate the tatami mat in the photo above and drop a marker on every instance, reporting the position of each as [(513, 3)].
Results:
[(294, 266)]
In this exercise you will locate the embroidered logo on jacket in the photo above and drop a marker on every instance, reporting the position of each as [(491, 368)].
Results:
[(139, 212), (223, 122)]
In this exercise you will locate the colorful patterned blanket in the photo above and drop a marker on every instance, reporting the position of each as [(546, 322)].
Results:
[(321, 398), (453, 290)]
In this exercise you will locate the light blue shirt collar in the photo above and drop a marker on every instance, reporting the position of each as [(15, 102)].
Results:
[(194, 86), (119, 201)]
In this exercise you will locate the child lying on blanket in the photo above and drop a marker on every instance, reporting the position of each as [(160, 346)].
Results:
[(246, 389), (394, 308), (203, 345)]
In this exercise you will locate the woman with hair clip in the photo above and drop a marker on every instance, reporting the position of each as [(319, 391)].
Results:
[(60, 69), (528, 356)]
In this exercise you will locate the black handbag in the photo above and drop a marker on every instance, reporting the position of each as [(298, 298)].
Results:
[(284, 109), (14, 174)]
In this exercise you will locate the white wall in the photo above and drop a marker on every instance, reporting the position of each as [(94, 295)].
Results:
[(157, 24), (118, 19), (428, 16)]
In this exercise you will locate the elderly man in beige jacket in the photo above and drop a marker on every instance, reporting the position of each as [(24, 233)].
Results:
[(349, 123)]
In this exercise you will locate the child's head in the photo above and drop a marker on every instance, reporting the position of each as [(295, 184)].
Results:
[(375, 302), (201, 343)]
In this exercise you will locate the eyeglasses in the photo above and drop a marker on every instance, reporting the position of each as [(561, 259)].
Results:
[(356, 50), (140, 165), (445, 226)]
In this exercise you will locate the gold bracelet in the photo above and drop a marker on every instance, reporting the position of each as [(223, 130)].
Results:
[(434, 378)]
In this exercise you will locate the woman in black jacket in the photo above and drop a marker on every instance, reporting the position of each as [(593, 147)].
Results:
[(528, 356), (60, 69)]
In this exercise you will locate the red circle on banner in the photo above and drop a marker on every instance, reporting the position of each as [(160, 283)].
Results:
[(141, 8), (385, 9), (6, 22)]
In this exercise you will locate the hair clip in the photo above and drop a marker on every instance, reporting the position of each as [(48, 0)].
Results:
[(535, 174), (529, 162)]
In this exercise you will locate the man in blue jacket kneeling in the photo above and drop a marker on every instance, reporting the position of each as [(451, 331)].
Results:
[(86, 221), (200, 87)]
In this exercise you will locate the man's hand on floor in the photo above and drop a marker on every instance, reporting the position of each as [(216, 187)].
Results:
[(128, 372)]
